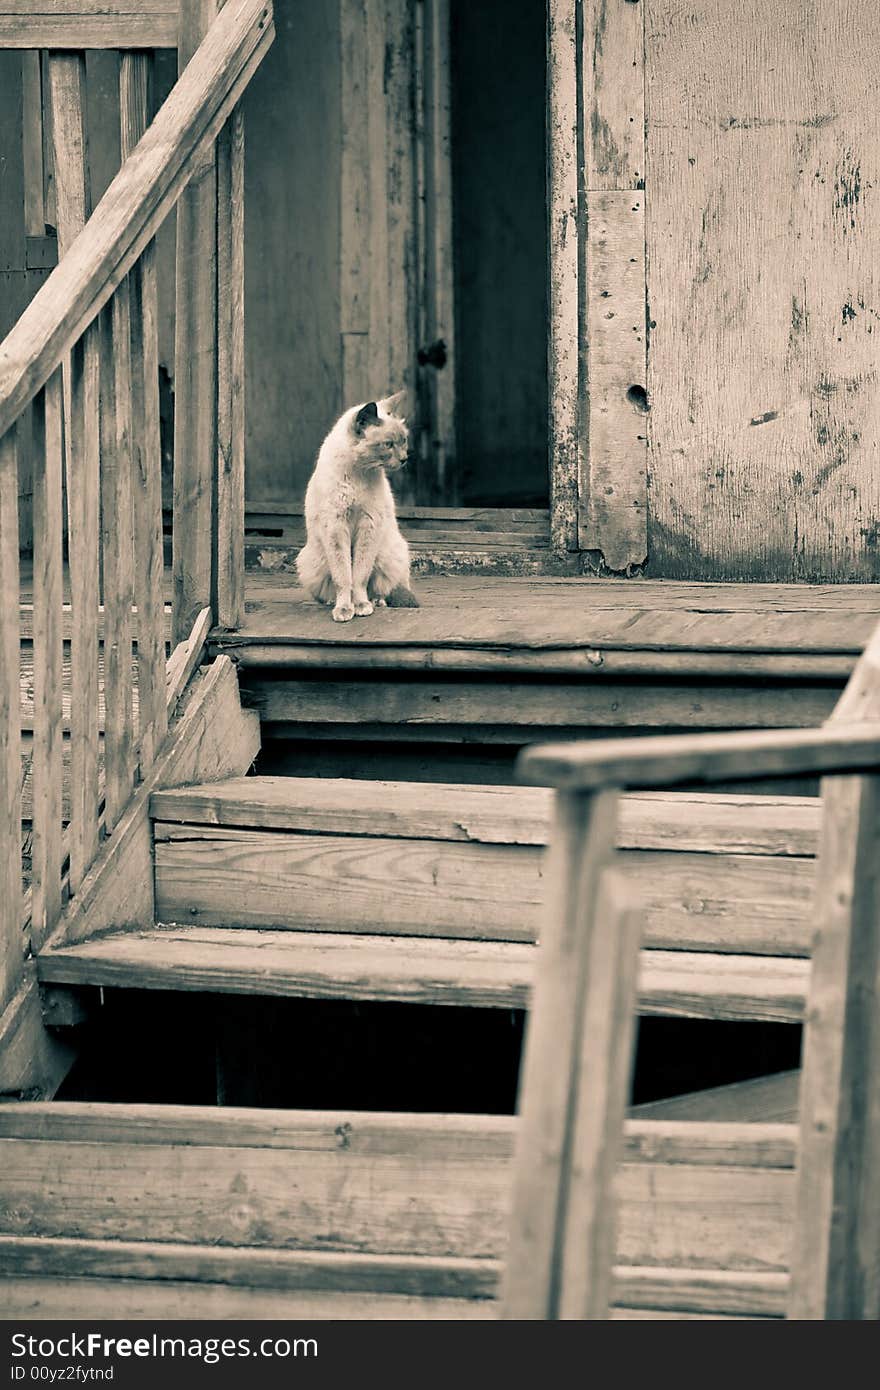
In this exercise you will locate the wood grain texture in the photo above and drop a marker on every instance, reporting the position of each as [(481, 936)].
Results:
[(46, 851), (566, 275), (184, 660), (581, 846), (613, 66), (766, 1099), (476, 891), (378, 1280), (408, 1184), (81, 24), (613, 515), (230, 372), (33, 1060), (705, 822), (762, 282), (83, 508), (32, 142), (135, 101), (674, 758), (837, 1233), (135, 203), (10, 779)]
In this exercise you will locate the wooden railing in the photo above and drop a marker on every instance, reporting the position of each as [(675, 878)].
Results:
[(574, 1086), (79, 390)]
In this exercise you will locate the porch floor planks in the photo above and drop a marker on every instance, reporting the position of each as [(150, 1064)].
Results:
[(404, 969)]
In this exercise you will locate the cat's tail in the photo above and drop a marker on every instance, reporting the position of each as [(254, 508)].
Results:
[(402, 597)]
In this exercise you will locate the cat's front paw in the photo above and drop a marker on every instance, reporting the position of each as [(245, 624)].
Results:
[(343, 613), (363, 609)]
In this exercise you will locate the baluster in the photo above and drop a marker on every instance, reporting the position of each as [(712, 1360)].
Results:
[(135, 81), (230, 371), (11, 954), (47, 745), (81, 401)]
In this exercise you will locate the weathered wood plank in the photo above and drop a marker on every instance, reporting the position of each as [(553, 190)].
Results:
[(230, 371), (195, 355), (46, 849), (32, 1060), (479, 974), (432, 1185), (184, 659), (31, 141), (10, 781), (683, 821), (478, 891), (400, 198), (135, 103), (355, 175), (400, 706), (837, 1230), (767, 1099), (566, 272), (599, 1096), (670, 759), (374, 1277), (764, 171), (613, 493), (135, 203), (81, 24), (581, 846), (613, 66)]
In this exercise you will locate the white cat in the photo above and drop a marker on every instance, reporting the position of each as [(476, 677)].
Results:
[(354, 552)]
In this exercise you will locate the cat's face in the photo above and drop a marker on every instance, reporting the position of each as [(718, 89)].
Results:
[(381, 437)]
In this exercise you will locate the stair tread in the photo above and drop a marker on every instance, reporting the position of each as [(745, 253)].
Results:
[(411, 969), (699, 821)]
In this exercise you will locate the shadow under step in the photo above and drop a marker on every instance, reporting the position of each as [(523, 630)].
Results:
[(411, 969)]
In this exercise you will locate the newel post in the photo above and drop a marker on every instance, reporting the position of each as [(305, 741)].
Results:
[(208, 544)]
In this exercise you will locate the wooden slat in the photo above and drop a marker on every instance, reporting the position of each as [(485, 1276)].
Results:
[(67, 76), (705, 822), (400, 204), (83, 504), (81, 24), (408, 1185), (27, 687), (195, 358), (613, 512), (135, 203), (565, 224), (31, 141), (46, 852), (762, 1098), (184, 660), (581, 846), (478, 974), (26, 613), (670, 759), (837, 1232), (600, 1089), (135, 97), (413, 706), (116, 510), (10, 780), (229, 876), (614, 94), (230, 371), (355, 176)]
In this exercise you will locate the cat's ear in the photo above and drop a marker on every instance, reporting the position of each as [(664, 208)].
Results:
[(367, 415), (391, 405)]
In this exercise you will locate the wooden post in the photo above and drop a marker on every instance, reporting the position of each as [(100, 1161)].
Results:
[(195, 367), (11, 952), (836, 1252), (47, 765), (135, 78), (230, 372), (581, 845), (81, 448), (566, 273)]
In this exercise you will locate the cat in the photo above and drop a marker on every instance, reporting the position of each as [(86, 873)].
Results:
[(354, 555)]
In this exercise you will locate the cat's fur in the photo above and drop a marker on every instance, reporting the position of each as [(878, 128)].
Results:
[(354, 553)]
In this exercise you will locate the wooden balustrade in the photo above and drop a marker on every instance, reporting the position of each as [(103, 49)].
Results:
[(79, 391)]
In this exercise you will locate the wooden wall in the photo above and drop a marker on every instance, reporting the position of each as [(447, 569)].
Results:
[(763, 245)]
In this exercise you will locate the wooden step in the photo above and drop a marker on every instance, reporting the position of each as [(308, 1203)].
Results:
[(714, 873), (408, 969), (407, 1206), (760, 1099)]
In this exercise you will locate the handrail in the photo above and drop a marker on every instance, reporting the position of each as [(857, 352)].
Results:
[(136, 202), (669, 760)]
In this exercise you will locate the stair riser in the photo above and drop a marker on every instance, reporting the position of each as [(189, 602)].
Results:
[(204, 875)]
